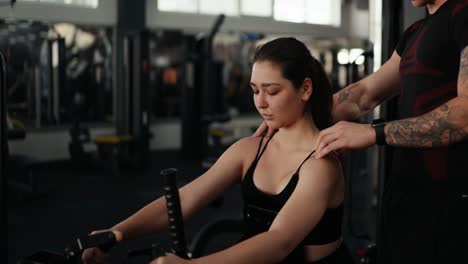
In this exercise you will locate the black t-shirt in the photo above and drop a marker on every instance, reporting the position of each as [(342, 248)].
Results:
[(424, 214), (430, 58)]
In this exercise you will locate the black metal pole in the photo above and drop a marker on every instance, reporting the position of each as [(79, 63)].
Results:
[(391, 31), (174, 213), (3, 157)]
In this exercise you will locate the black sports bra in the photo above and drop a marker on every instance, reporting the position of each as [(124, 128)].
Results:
[(260, 208)]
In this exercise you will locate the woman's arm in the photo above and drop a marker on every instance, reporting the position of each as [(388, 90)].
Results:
[(225, 172), (316, 186)]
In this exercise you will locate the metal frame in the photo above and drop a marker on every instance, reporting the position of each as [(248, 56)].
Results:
[(4, 155)]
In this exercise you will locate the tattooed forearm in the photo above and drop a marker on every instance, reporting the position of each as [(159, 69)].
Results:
[(343, 95), (349, 95), (346, 104), (463, 74), (443, 126)]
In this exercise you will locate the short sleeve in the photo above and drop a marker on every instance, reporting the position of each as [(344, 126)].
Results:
[(460, 24)]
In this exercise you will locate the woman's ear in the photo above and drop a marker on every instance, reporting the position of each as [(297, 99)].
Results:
[(306, 89)]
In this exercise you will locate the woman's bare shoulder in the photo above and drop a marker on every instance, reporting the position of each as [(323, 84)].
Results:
[(246, 148), (248, 143), (327, 168)]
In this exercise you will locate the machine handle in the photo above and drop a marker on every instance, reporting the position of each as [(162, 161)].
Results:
[(104, 241)]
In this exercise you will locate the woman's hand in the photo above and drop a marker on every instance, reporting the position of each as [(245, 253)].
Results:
[(170, 259), (96, 255), (262, 129)]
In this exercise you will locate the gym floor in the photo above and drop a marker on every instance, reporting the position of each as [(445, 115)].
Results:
[(80, 198)]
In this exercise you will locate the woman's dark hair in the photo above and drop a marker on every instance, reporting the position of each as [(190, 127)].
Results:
[(296, 64)]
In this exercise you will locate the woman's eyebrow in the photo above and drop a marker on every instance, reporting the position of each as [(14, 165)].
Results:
[(264, 84)]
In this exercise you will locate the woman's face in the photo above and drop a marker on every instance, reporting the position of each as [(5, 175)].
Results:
[(275, 97)]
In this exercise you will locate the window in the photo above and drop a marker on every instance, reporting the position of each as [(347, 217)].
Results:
[(289, 10), (184, 6), (261, 8), (323, 12), (214, 7), (82, 3), (309, 11), (210, 7)]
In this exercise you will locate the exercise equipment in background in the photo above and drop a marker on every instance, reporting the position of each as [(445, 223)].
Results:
[(202, 92)]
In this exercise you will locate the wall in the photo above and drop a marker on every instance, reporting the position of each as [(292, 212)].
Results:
[(358, 21), (412, 14)]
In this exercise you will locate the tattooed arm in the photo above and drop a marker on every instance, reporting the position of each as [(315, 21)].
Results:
[(443, 126), (359, 98)]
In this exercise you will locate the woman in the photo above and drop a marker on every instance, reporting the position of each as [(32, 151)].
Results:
[(293, 204)]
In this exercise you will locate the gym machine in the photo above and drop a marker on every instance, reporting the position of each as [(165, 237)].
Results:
[(106, 240), (199, 246), (129, 144), (202, 93), (88, 89)]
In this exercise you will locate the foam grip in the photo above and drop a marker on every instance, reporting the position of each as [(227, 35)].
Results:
[(174, 213)]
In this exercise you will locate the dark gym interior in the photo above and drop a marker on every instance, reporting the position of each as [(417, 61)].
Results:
[(99, 96)]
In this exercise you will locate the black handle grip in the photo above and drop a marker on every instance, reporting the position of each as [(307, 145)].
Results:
[(153, 252), (105, 241), (174, 213)]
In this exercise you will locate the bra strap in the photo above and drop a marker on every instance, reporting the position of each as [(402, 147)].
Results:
[(264, 147), (308, 157)]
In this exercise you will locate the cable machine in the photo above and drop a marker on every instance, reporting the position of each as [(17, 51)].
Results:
[(201, 94)]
